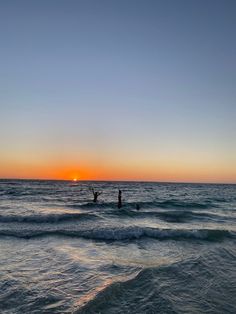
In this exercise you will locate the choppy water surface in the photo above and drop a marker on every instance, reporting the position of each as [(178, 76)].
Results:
[(61, 253)]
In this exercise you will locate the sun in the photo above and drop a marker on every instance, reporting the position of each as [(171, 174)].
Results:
[(75, 180)]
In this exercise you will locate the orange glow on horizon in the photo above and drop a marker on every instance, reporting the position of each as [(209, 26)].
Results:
[(109, 172), (118, 169)]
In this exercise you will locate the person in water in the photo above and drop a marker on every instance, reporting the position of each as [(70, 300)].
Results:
[(119, 199), (95, 195)]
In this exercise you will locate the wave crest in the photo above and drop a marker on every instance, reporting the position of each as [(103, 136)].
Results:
[(157, 289), (124, 233)]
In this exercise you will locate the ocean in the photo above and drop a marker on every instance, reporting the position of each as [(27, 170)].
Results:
[(61, 253)]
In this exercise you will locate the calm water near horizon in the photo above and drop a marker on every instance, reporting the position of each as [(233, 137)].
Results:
[(62, 253)]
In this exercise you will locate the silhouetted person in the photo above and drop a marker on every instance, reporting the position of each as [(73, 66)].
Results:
[(137, 206), (119, 199), (95, 195)]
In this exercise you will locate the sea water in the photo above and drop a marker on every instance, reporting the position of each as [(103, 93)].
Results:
[(62, 253)]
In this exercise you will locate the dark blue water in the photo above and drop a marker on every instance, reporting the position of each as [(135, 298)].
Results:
[(61, 253)]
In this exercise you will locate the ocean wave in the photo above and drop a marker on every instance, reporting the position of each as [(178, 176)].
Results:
[(167, 204), (99, 205), (182, 204), (122, 233), (49, 218), (175, 216), (168, 216), (173, 288)]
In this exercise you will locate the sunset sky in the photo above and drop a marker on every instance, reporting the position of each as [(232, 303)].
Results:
[(118, 90)]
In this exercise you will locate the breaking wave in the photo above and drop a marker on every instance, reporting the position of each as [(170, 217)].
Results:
[(124, 233), (173, 288)]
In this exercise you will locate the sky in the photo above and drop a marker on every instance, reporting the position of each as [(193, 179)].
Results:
[(118, 90)]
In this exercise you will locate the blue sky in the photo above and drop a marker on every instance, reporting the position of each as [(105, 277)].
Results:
[(120, 83)]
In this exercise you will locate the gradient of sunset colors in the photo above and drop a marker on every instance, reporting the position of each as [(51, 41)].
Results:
[(118, 90)]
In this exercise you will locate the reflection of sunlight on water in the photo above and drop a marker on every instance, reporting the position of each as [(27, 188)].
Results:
[(88, 254), (94, 257), (91, 295), (93, 292), (143, 262), (58, 210), (152, 223), (84, 255)]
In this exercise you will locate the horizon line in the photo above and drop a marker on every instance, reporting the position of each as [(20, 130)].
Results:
[(138, 181)]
